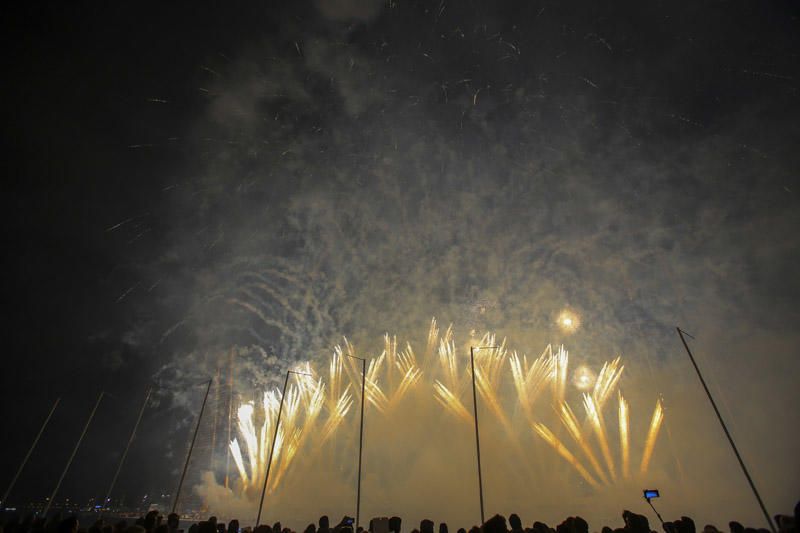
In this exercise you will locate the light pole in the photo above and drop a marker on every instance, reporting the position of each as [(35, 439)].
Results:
[(274, 437), (125, 453), (472, 350), (30, 451), (74, 451), (191, 446), (725, 429), (360, 436)]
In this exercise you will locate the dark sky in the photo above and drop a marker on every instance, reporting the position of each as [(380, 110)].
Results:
[(634, 161)]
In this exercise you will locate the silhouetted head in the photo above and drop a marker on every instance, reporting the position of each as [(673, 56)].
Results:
[(496, 524), (150, 520), (233, 526), (324, 522), (426, 526), (606, 529), (395, 523), (310, 528), (442, 528), (514, 522), (68, 525), (263, 528), (540, 527), (710, 528), (636, 523), (173, 521), (461, 530)]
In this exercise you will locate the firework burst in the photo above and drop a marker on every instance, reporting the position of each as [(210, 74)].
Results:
[(317, 405)]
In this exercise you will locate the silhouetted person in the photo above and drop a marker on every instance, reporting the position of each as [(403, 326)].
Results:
[(345, 525), (461, 530), (173, 522), (443, 528), (120, 526), (207, 527), (606, 529), (575, 524), (68, 525), (636, 523), (515, 523), (684, 525), (150, 521), (97, 527), (263, 528), (395, 523), (233, 526), (496, 524), (426, 526), (541, 527), (310, 529)]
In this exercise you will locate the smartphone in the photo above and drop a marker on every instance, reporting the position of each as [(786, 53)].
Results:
[(650, 493)]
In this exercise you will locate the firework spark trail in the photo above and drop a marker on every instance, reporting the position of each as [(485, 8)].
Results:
[(529, 381), (520, 385), (410, 379), (248, 431), (335, 372), (607, 379), (596, 418), (652, 435), (571, 423), (562, 450), (264, 319), (236, 453), (390, 350), (489, 396), (450, 402), (560, 364), (448, 361), (624, 439), (537, 374), (337, 415), (433, 339)]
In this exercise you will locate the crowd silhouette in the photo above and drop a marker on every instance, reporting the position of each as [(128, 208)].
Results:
[(155, 522)]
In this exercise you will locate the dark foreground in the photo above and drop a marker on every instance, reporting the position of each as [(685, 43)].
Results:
[(154, 522)]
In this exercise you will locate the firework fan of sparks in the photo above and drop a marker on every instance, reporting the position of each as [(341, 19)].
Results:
[(317, 405)]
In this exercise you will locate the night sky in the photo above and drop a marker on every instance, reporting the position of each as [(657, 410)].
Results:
[(382, 163)]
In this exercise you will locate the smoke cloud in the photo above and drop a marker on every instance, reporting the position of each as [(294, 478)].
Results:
[(355, 181)]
